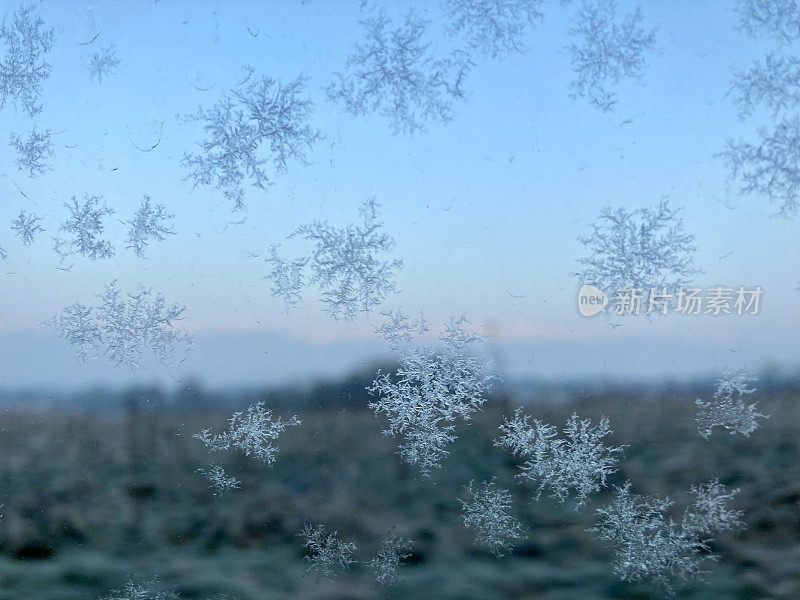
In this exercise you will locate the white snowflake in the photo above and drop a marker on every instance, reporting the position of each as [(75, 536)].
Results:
[(135, 591), (492, 27), (728, 407), (777, 18), (399, 328), (394, 73), (487, 510), (104, 63), (219, 480), (609, 51), (26, 226), (124, 327), (773, 82), (344, 264), (148, 223), (33, 154), (386, 563), (252, 432), (651, 546), (84, 228), (579, 462), (329, 556), (431, 390)]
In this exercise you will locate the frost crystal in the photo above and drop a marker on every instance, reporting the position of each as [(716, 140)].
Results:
[(399, 328), (329, 556), (220, 483), (124, 326), (134, 591), (487, 511), (777, 18), (104, 63), (24, 68), (395, 74), (728, 408), (26, 226), (148, 223), (33, 153), (431, 389), (580, 462), (492, 27), (260, 121), (343, 265), (386, 563), (770, 167), (609, 51), (85, 227), (644, 248), (650, 545), (251, 432), (775, 83)]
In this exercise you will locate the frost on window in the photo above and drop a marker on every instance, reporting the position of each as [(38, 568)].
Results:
[(328, 555), (729, 408), (773, 83), (148, 223), (432, 389), (487, 510), (26, 226), (399, 328), (607, 51), (644, 248), (770, 167), (578, 462), (33, 153), (492, 27), (124, 327), (134, 591), (395, 74), (779, 19), (24, 67), (104, 63), (252, 432), (84, 228), (218, 479), (345, 265), (252, 133), (386, 563), (651, 546)]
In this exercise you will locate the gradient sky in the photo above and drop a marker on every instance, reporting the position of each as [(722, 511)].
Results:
[(485, 210)]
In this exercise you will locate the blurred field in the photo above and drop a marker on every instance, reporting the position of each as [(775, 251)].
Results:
[(90, 500)]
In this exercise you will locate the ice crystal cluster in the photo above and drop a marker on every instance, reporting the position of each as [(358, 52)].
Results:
[(219, 480), (24, 66), (399, 328), (492, 27), (433, 388), (33, 153), (386, 563), (395, 73), (578, 463), (251, 432), (123, 327), (148, 223), (328, 555), (134, 591), (644, 248), (651, 546), (84, 229), (608, 50), (104, 63), (345, 264), (779, 19), (729, 407), (773, 82), (26, 226), (251, 134), (487, 510)]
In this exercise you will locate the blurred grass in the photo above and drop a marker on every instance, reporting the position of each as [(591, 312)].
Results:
[(91, 500)]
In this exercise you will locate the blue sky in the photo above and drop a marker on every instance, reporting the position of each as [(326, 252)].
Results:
[(485, 210)]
